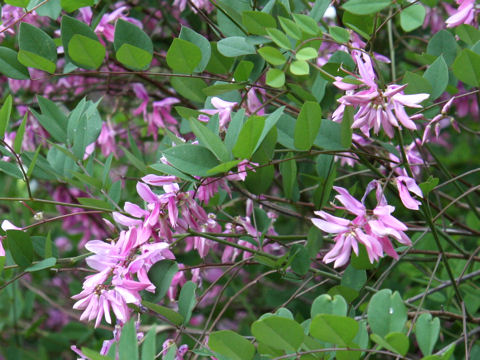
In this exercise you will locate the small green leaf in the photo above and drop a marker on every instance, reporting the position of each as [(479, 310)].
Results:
[(72, 5), (307, 24), (346, 128), (10, 66), (299, 67), (467, 33), (248, 137), (37, 49), (161, 275), (340, 330), (427, 330), (183, 56), (18, 3), (272, 55), (128, 345), (149, 348), (20, 246), (168, 313), (190, 88), (256, 22), (218, 89), (306, 53), (210, 140), (133, 47), (326, 304), (202, 43), (243, 70), (187, 300), (279, 333), (412, 17), (443, 43), (231, 345), (437, 75), (467, 67), (290, 28), (17, 144), (41, 265), (428, 185), (11, 169), (93, 355), (275, 78), (279, 38), (192, 159), (365, 7), (86, 52), (386, 312), (235, 46), (307, 125), (339, 34), (5, 113), (396, 342)]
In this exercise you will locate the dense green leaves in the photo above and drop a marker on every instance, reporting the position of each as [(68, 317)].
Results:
[(37, 49), (209, 139), (133, 47), (256, 22)]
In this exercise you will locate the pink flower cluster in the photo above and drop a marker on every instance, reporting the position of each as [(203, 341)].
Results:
[(374, 229)]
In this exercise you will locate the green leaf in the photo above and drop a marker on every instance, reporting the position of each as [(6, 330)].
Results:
[(248, 137), (218, 89), (161, 275), (279, 38), (17, 144), (168, 313), (437, 75), (443, 43), (128, 345), (192, 159), (133, 47), (183, 56), (18, 3), (275, 78), (354, 278), (149, 347), (362, 24), (272, 55), (210, 140), (300, 259), (190, 88), (11, 169), (326, 304), (279, 333), (299, 67), (467, 67), (20, 245), (346, 127), (256, 22), (427, 330), (468, 34), (93, 355), (95, 203), (231, 345), (10, 66), (396, 342), (72, 5), (84, 126), (235, 46), (290, 28), (37, 49), (428, 185), (270, 123), (5, 113), (41, 265), (412, 17), (306, 23), (386, 312), (307, 125), (187, 300), (52, 8), (202, 43), (306, 53), (365, 7), (85, 52), (218, 63), (340, 330), (243, 70), (339, 34), (288, 169), (234, 129), (52, 119)]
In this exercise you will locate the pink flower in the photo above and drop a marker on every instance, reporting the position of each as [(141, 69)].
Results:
[(465, 14), (222, 108), (373, 229), (406, 185)]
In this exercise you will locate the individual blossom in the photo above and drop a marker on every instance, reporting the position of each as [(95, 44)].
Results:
[(439, 121), (465, 14), (372, 228), (161, 117), (222, 108)]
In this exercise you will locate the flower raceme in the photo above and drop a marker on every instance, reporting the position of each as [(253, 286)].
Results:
[(376, 108), (372, 228)]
